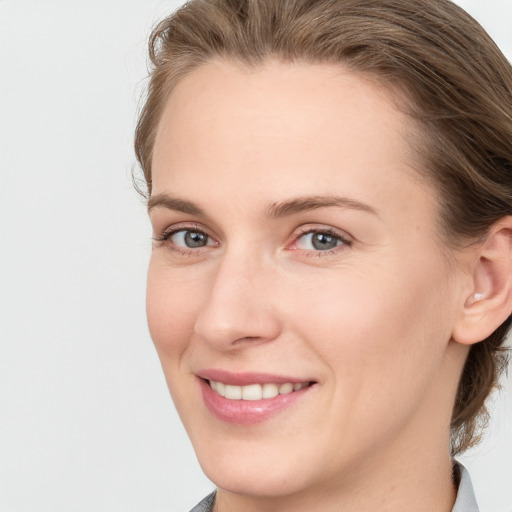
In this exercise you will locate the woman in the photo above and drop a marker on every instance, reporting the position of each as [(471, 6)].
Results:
[(330, 189)]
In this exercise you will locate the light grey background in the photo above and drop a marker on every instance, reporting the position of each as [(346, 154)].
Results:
[(86, 423)]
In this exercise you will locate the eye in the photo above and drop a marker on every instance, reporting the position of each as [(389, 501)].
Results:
[(185, 240), (189, 238), (319, 240)]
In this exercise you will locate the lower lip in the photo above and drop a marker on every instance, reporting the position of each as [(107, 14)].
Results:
[(248, 412)]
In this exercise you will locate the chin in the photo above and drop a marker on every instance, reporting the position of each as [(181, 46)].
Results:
[(249, 480), (253, 467)]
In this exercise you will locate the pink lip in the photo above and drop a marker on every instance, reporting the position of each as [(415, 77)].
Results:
[(247, 412), (246, 378)]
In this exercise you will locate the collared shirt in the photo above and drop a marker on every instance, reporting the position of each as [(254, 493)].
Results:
[(465, 502)]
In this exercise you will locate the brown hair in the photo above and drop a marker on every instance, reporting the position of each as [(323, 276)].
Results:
[(456, 83)]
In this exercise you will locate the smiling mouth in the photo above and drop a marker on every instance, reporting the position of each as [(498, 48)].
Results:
[(256, 391)]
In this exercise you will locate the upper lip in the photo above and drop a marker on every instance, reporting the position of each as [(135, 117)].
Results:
[(246, 378)]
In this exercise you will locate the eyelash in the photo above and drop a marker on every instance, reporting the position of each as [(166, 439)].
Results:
[(165, 237), (344, 241)]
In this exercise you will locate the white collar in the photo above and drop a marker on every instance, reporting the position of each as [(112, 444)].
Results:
[(466, 501)]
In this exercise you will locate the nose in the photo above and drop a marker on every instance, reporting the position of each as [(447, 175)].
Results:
[(239, 309)]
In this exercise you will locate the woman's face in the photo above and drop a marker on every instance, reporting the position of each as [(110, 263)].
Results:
[(295, 244)]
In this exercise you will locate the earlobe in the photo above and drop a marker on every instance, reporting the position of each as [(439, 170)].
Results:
[(489, 302)]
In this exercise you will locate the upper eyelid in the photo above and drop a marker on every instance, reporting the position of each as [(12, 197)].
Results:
[(163, 220), (176, 228), (344, 235)]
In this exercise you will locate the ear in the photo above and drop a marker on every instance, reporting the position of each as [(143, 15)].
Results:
[(489, 302)]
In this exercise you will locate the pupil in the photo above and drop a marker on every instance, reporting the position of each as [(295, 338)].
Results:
[(322, 242), (195, 239)]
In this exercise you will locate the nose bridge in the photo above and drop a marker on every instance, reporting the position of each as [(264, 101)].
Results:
[(239, 303)]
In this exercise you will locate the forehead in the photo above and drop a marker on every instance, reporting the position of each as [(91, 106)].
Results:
[(276, 129), (298, 100)]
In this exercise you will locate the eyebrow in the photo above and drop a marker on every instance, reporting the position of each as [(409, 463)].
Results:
[(277, 210), (173, 203), (301, 204)]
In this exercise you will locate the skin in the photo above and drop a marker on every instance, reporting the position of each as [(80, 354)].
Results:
[(370, 321)]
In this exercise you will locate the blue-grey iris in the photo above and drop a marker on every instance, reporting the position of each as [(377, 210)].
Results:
[(322, 241), (195, 239)]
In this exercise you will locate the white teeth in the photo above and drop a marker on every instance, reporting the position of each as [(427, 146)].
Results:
[(270, 390), (221, 388), (233, 392), (284, 389), (252, 392), (255, 391)]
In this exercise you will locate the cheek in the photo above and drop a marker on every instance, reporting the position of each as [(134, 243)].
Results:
[(378, 329), (171, 303)]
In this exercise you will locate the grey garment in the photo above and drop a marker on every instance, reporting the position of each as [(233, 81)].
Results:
[(206, 505), (465, 502)]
